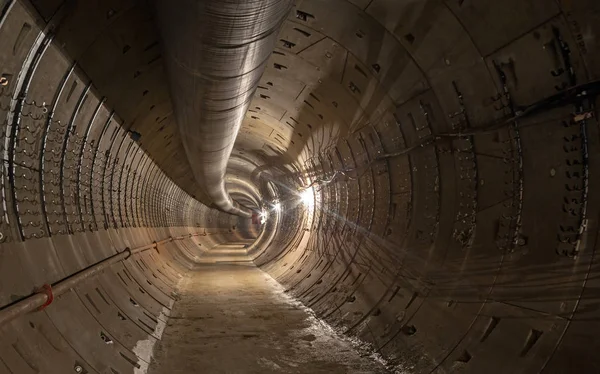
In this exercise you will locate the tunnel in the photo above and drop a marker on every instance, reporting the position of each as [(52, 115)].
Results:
[(353, 186)]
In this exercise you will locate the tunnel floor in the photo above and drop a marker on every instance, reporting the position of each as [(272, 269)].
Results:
[(232, 317)]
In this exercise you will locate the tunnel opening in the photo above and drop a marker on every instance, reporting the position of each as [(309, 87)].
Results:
[(413, 184)]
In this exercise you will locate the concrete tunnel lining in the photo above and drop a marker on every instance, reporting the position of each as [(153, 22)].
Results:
[(466, 253)]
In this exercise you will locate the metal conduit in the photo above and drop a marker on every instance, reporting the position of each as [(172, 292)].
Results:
[(215, 54), (42, 299)]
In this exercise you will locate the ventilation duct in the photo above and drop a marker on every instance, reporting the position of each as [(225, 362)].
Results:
[(215, 54)]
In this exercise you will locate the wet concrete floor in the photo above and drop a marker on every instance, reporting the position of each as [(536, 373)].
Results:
[(234, 318)]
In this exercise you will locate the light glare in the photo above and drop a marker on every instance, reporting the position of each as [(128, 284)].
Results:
[(308, 197), (263, 216)]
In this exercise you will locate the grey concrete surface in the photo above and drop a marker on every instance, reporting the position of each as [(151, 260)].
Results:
[(453, 148), (234, 318)]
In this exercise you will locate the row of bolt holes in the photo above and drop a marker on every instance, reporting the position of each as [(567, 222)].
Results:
[(532, 338), (107, 340), (406, 329), (303, 16)]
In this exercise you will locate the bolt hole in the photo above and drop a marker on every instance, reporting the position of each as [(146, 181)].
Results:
[(409, 330), (105, 338), (4, 80), (464, 357)]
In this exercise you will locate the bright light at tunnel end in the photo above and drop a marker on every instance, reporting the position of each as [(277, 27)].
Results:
[(307, 197), (264, 215), (277, 206)]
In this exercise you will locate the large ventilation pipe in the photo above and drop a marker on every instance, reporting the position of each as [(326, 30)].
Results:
[(215, 54)]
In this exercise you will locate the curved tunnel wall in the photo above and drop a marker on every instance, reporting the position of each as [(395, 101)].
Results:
[(77, 189), (471, 253)]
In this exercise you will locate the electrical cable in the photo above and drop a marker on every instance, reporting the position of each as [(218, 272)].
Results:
[(568, 96)]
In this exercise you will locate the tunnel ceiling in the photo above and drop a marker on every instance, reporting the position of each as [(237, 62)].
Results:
[(339, 67)]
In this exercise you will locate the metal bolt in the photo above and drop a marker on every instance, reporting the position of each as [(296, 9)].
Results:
[(78, 369), (552, 172)]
